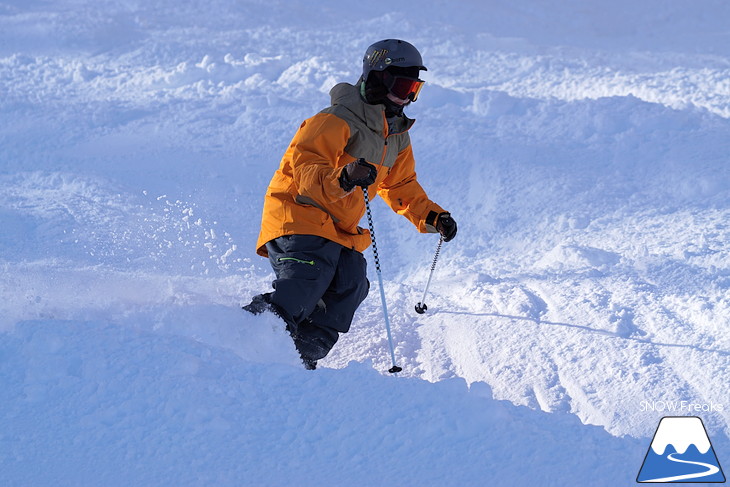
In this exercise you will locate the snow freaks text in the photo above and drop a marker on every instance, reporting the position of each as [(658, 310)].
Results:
[(683, 407)]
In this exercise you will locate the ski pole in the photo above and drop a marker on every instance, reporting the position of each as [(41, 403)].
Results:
[(421, 306), (394, 368)]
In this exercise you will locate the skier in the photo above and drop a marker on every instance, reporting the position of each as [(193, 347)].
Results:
[(309, 228)]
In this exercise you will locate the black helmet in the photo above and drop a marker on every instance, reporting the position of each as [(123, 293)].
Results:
[(391, 52), (390, 69)]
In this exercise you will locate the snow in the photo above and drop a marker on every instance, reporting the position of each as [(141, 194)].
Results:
[(581, 146), (97, 404)]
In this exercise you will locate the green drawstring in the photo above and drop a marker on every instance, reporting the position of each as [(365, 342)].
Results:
[(310, 262)]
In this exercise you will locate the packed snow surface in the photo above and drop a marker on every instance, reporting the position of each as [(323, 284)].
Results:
[(582, 147)]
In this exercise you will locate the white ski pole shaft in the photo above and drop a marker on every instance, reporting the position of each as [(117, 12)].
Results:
[(421, 306), (394, 368)]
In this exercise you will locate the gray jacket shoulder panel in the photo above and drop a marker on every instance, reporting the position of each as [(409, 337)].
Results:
[(367, 127)]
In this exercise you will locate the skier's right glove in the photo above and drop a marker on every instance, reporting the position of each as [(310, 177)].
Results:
[(446, 226), (357, 173)]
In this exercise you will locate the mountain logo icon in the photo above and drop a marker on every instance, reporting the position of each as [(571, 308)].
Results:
[(681, 452)]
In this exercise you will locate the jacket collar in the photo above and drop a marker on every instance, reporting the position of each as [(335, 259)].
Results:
[(373, 116)]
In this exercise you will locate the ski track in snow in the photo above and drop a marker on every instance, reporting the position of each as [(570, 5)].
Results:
[(582, 151)]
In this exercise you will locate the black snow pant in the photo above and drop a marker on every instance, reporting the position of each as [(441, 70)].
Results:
[(319, 285)]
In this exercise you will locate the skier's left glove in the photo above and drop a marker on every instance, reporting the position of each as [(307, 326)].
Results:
[(446, 226)]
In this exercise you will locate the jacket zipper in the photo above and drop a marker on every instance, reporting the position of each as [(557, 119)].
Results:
[(385, 139)]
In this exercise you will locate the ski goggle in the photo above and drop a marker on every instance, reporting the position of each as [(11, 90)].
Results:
[(403, 87)]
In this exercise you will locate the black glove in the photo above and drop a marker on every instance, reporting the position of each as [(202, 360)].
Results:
[(446, 226), (357, 173)]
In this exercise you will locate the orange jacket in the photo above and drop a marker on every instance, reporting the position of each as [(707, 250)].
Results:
[(305, 197)]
